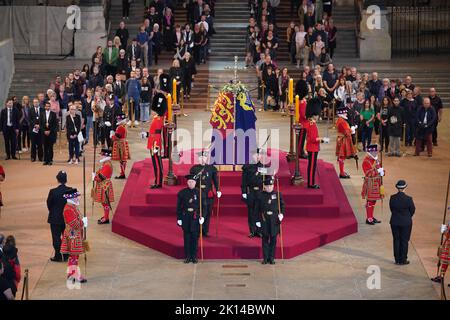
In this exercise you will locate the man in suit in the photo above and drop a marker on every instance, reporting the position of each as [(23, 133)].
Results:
[(110, 58), (55, 205), (119, 88), (134, 52), (9, 125), (35, 132), (48, 124), (402, 209)]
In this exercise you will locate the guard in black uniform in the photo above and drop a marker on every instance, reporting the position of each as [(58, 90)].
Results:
[(208, 175), (251, 187), (270, 212), (188, 218), (402, 209)]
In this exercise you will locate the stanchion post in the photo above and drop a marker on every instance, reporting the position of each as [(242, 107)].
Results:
[(207, 98), (291, 155), (333, 114), (297, 179)]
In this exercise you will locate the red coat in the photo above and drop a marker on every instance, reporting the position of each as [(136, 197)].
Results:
[(72, 237), (372, 186), (312, 133), (154, 134), (302, 114), (120, 150), (104, 192), (445, 249), (344, 143)]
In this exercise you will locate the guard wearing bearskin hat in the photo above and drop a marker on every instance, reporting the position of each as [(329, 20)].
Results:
[(188, 218), (121, 150), (313, 110), (251, 187), (303, 120), (206, 177), (104, 192), (73, 235), (270, 216), (345, 148), (155, 140), (372, 189)]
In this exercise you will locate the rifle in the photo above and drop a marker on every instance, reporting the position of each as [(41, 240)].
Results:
[(93, 166), (217, 210), (85, 243), (281, 225)]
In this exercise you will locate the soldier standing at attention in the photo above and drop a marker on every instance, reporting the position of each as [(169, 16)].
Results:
[(252, 183), (372, 189), (208, 175), (121, 150), (188, 218), (344, 143), (402, 209), (270, 211), (104, 192)]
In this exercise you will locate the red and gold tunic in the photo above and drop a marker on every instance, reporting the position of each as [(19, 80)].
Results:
[(104, 192), (445, 250), (72, 237), (312, 133), (120, 150), (302, 114), (344, 144), (154, 134), (372, 187)]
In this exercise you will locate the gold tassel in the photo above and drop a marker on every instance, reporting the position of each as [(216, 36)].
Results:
[(86, 246)]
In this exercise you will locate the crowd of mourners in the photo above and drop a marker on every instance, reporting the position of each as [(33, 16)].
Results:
[(394, 109), (117, 80)]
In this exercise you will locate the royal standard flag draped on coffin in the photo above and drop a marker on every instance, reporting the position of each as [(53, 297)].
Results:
[(226, 127)]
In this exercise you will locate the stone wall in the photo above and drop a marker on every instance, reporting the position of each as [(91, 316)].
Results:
[(6, 68)]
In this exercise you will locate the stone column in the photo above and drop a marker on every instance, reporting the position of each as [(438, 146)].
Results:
[(92, 29), (375, 40), (6, 68)]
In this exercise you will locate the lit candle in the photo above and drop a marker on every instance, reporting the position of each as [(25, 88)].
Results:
[(297, 109), (291, 91), (169, 108), (174, 91)]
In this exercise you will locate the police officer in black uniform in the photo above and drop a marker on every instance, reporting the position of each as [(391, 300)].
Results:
[(251, 187), (402, 209), (188, 218), (208, 175), (270, 212)]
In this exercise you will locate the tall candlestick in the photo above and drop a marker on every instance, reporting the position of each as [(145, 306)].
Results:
[(174, 91), (297, 109), (169, 108), (291, 90)]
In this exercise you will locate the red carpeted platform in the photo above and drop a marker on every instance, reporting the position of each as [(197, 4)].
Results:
[(312, 219)]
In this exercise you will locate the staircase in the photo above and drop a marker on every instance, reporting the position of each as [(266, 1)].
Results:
[(230, 24)]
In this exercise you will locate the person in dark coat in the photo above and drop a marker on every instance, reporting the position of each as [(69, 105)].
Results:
[(402, 209), (35, 134), (188, 71), (55, 205), (425, 122), (49, 127), (395, 127), (9, 125), (188, 218), (208, 175), (301, 87), (269, 209)]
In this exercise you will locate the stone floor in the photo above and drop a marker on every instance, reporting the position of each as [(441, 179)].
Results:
[(121, 269)]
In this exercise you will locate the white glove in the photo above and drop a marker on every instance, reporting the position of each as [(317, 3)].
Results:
[(353, 129), (111, 133), (244, 195), (381, 172), (258, 224), (443, 228), (201, 220), (85, 222), (326, 140), (107, 123), (179, 222), (93, 176), (280, 216), (143, 134), (219, 194)]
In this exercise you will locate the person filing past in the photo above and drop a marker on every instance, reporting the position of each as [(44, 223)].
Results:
[(269, 218), (402, 209), (48, 124), (55, 205), (73, 128), (35, 133), (9, 125), (188, 218)]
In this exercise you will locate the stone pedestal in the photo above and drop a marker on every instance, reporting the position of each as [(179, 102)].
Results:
[(375, 41), (91, 33)]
